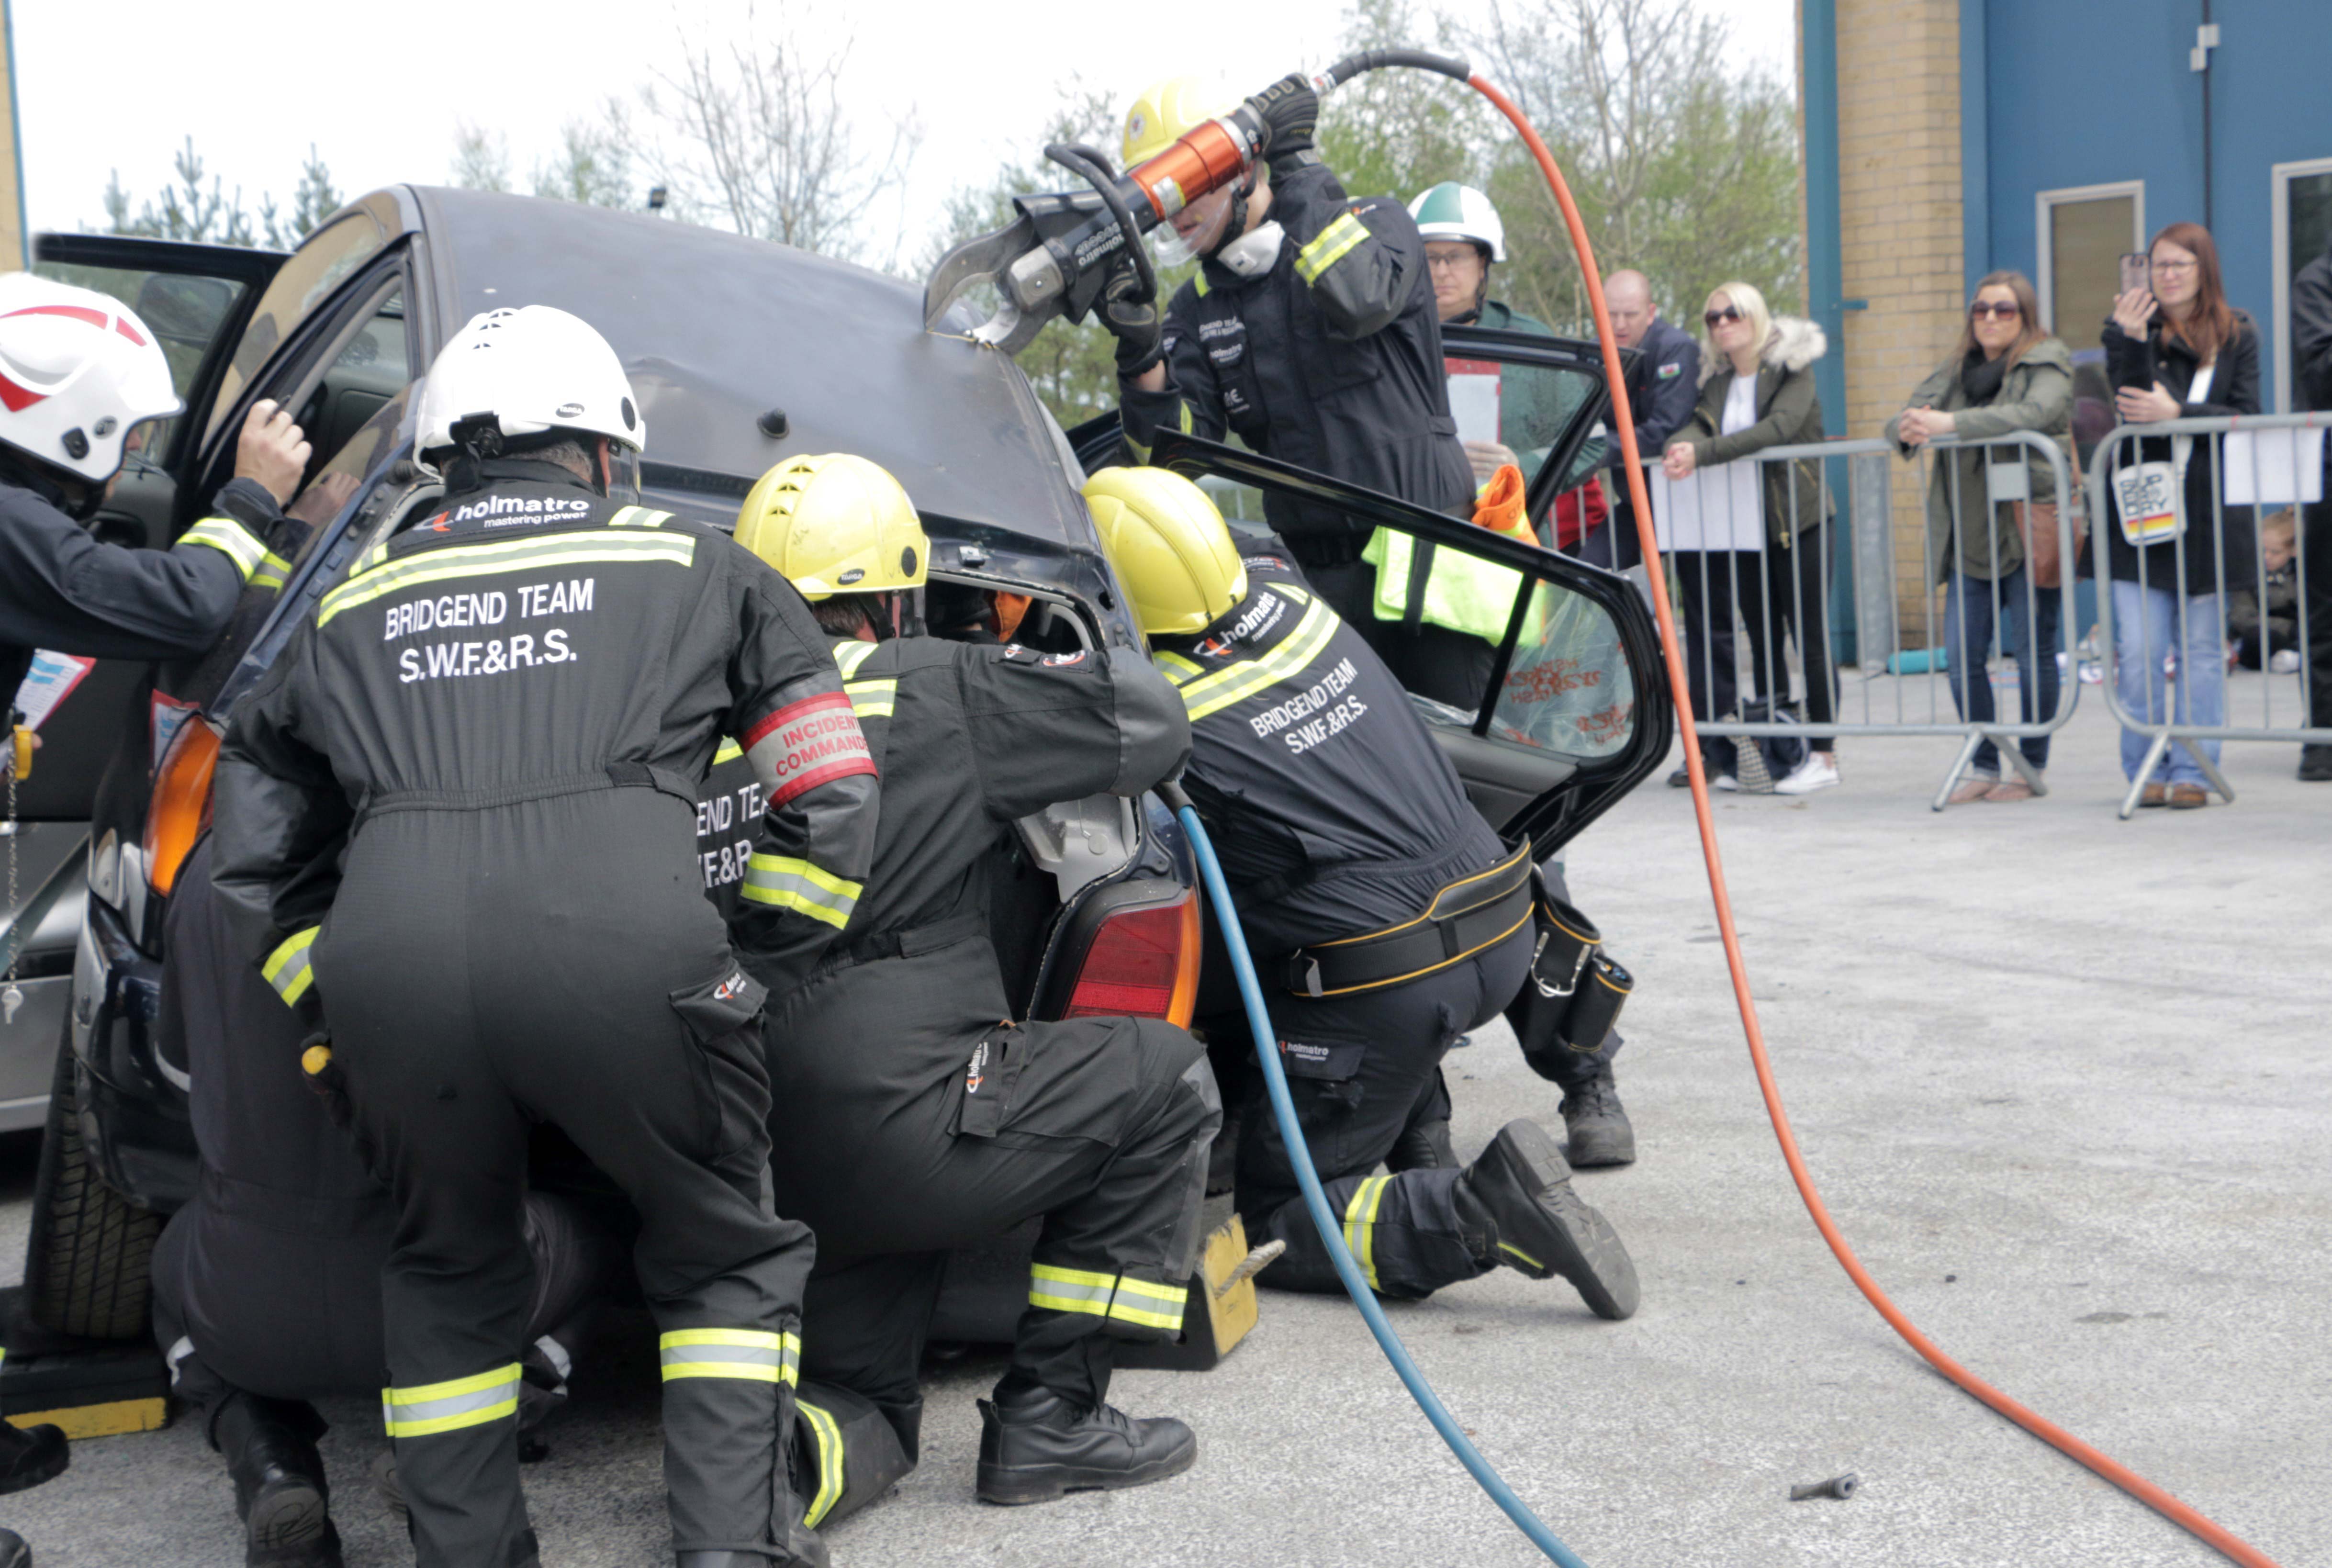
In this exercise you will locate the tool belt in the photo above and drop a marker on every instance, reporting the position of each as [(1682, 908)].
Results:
[(1573, 993), (1470, 914)]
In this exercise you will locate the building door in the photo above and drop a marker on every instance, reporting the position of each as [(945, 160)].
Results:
[(2084, 232), (2303, 232)]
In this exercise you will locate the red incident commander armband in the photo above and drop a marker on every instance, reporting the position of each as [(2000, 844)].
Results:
[(809, 744)]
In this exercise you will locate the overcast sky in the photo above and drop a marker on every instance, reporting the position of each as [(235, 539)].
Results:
[(379, 90)]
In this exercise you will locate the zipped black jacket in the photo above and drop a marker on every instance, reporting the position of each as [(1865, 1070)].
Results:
[(1333, 810), (61, 587), (534, 639), (1331, 360)]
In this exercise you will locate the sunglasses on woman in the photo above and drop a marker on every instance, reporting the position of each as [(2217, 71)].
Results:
[(1983, 308), (1715, 317)]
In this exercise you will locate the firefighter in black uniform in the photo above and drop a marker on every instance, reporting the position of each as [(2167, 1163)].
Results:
[(1311, 331), (80, 376), (267, 1284), (912, 1115), (1384, 917), (458, 812)]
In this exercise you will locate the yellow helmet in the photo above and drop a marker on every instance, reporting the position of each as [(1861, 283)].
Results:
[(836, 524), (1168, 112), (1169, 546)]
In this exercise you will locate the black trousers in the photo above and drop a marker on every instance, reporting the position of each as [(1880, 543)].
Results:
[(2316, 590), (1779, 593), (904, 1126), (1361, 1069), (544, 960)]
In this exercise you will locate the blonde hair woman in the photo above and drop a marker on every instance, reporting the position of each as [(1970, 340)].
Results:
[(1757, 392)]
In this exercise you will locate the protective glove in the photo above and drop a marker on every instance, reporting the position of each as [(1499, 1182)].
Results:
[(1134, 324), (1290, 112)]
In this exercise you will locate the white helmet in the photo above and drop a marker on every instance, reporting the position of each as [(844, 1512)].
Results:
[(1450, 211), (78, 370), (532, 370)]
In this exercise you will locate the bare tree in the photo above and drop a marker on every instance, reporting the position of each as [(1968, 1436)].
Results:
[(481, 158), (1684, 163), (761, 143), (594, 162)]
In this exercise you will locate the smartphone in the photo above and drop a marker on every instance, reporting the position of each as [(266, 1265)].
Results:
[(2136, 270)]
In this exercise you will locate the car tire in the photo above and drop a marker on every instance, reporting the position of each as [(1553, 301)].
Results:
[(89, 1265)]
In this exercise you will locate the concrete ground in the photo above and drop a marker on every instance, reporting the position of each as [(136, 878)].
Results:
[(2062, 1078)]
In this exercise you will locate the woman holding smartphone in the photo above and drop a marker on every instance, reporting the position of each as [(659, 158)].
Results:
[(2173, 350), (1997, 555), (1757, 392)]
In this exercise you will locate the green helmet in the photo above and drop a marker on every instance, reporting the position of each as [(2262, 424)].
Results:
[(1450, 211)]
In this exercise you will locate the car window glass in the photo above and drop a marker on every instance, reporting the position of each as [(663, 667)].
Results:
[(315, 269), (1568, 689), (184, 310), (1526, 409), (327, 491)]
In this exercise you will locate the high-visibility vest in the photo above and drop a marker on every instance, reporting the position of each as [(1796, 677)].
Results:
[(1462, 592)]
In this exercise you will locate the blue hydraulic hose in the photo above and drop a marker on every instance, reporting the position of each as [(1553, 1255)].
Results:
[(1211, 872)]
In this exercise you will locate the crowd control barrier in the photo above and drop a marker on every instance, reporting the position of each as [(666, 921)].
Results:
[(1930, 612), (2187, 591)]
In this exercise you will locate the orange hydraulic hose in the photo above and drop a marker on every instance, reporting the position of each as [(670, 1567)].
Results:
[(2223, 1540)]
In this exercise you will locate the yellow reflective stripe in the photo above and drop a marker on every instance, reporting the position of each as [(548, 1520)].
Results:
[(823, 1428), (1518, 1252), (273, 569), (1147, 1303), (638, 517), (730, 751), (230, 538), (471, 1401), (1175, 667), (1183, 412), (1198, 281), (369, 559), (787, 882), (287, 968), (467, 561), (849, 655), (872, 699), (1308, 641), (1361, 1225), (1329, 246), (751, 1354), (1070, 1289)]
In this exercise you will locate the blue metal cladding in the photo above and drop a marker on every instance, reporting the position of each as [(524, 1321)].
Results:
[(2079, 92)]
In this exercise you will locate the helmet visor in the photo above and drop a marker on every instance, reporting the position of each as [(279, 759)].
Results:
[(1195, 232), (623, 472)]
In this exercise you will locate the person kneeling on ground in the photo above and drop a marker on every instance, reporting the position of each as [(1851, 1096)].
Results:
[(907, 1119), (1347, 832)]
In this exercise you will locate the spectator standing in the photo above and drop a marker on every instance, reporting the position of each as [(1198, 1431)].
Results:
[(1663, 383), (1996, 560), (1757, 392), (2176, 350), (2311, 359)]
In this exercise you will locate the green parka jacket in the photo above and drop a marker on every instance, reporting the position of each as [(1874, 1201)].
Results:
[(2037, 394), (1789, 414)]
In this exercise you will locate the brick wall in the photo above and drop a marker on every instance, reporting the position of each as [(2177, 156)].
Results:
[(1898, 111)]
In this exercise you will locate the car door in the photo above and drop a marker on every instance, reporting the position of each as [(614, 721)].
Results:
[(1576, 711)]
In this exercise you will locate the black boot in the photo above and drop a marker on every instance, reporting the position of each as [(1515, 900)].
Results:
[(1517, 1198), (1598, 1123), (1036, 1446), (279, 1490), (31, 1455), (14, 1552), (2316, 764)]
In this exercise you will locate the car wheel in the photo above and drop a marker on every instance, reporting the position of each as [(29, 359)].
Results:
[(87, 1268)]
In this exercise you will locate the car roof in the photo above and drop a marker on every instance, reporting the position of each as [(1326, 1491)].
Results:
[(716, 330)]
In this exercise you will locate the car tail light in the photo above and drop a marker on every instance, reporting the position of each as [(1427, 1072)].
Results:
[(182, 802), (1143, 962)]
